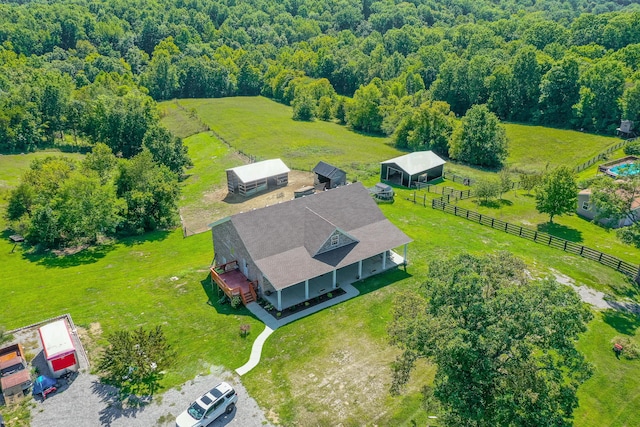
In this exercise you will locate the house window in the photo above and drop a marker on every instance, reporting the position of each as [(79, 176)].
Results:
[(335, 239), (585, 205)]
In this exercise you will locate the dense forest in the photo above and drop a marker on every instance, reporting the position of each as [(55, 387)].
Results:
[(82, 72), (88, 68)]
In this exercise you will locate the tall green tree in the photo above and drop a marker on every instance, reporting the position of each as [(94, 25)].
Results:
[(557, 193), (166, 149), (526, 79), (503, 344), (428, 128), (602, 88), (136, 360), (559, 92), (150, 192), (365, 113), (480, 140)]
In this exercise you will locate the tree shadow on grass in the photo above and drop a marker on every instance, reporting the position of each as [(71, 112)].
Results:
[(379, 281), (561, 231), (52, 260), (152, 236), (494, 203), (622, 321)]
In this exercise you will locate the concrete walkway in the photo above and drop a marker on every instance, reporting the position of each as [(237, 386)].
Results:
[(597, 298), (271, 323)]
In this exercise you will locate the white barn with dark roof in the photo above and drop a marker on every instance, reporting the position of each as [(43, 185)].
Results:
[(250, 179), (299, 249), (419, 166)]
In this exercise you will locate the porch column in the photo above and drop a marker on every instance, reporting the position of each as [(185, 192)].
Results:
[(384, 260), (279, 300), (334, 279), (405, 253), (360, 269), (306, 289)]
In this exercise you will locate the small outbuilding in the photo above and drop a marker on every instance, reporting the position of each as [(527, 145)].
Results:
[(250, 179), (382, 191), (329, 175), (420, 166), (59, 351)]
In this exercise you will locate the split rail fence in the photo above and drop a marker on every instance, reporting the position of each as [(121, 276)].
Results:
[(631, 270)]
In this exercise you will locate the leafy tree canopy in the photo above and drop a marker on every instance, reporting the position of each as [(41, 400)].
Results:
[(503, 344), (480, 140), (557, 193)]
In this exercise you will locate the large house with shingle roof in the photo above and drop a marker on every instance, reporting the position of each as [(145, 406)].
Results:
[(296, 250)]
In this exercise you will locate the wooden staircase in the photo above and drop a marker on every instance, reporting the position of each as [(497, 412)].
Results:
[(248, 296)]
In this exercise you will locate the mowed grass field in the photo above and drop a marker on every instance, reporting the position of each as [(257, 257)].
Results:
[(329, 369), (534, 148), (519, 208), (264, 129)]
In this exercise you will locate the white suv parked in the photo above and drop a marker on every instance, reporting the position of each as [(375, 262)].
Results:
[(219, 400)]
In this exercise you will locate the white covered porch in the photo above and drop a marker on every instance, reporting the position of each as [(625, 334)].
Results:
[(323, 284)]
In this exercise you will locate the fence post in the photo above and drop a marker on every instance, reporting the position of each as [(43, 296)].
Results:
[(535, 235), (492, 219), (506, 225), (520, 233), (424, 201), (550, 237), (619, 264), (455, 210), (600, 257), (565, 246), (581, 249)]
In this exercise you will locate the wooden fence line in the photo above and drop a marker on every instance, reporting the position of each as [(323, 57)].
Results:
[(600, 156), (617, 264)]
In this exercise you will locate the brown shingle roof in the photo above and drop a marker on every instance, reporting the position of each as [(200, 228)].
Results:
[(282, 239)]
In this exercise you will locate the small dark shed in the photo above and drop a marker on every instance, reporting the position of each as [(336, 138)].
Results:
[(420, 166), (329, 175)]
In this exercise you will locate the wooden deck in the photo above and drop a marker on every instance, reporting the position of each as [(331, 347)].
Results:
[(232, 282)]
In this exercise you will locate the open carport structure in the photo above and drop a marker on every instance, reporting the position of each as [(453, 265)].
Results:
[(420, 166), (250, 179)]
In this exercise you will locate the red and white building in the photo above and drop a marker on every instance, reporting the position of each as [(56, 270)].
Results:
[(59, 351)]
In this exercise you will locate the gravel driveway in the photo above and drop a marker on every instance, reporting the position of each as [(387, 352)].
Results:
[(86, 402)]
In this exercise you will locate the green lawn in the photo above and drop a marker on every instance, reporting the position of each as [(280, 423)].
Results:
[(265, 129), (156, 279), (181, 121), (533, 148), (331, 368), (520, 209), (611, 397)]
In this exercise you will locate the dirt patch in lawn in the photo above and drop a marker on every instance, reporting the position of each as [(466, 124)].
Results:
[(354, 385), (218, 203)]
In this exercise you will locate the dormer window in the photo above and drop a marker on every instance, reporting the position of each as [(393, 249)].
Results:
[(335, 240)]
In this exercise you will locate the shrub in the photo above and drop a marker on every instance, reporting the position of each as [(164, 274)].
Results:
[(630, 235), (630, 349), (245, 328), (236, 301), (633, 148)]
